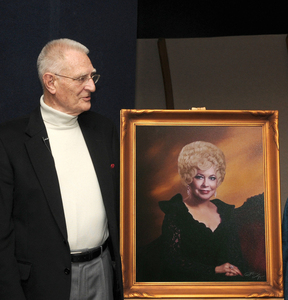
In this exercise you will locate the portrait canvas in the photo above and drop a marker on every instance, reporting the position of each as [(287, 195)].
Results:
[(157, 179), (150, 151)]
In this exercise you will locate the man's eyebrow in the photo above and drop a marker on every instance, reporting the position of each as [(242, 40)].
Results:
[(94, 71)]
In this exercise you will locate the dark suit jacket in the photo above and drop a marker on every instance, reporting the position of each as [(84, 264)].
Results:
[(34, 252)]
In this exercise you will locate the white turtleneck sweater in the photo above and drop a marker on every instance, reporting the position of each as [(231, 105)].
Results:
[(81, 196)]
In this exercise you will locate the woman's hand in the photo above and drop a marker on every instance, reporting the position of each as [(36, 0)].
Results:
[(228, 269)]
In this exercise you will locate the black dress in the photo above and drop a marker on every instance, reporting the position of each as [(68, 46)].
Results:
[(191, 251)]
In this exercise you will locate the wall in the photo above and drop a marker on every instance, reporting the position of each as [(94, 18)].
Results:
[(220, 73)]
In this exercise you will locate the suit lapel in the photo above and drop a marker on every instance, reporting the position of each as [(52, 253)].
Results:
[(100, 158), (43, 163)]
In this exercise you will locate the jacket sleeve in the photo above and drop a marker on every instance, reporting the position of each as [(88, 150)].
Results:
[(10, 282)]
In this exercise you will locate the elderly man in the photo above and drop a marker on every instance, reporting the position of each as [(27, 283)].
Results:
[(59, 180)]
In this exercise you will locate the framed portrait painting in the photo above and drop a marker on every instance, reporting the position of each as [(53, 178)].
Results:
[(200, 204)]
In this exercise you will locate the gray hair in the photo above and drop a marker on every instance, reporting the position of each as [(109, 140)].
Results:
[(52, 56), (201, 156)]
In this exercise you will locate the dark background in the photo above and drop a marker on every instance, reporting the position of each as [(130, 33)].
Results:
[(109, 29)]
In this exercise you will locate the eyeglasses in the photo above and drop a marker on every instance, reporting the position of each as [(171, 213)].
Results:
[(84, 78)]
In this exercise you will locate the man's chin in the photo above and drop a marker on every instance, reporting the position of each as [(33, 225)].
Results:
[(84, 107)]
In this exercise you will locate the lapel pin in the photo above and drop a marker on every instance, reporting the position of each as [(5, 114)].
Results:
[(112, 166)]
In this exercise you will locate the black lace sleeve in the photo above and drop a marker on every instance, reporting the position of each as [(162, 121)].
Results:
[(178, 266)]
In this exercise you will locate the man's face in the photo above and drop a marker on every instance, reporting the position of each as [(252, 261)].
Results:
[(71, 96)]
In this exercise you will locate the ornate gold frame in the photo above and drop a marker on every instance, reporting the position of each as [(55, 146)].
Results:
[(268, 121)]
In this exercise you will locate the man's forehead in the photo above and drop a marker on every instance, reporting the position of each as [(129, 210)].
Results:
[(78, 62), (76, 57)]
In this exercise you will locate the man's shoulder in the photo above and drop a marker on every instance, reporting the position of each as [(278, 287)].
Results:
[(93, 119), (17, 124), (20, 124), (90, 114)]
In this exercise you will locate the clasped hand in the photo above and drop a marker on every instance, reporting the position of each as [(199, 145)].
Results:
[(228, 269)]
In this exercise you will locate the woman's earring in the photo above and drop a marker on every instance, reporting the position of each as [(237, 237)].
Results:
[(215, 193), (188, 190)]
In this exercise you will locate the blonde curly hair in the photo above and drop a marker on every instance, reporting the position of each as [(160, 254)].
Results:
[(200, 156)]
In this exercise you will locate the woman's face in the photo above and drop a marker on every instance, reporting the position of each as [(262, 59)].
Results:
[(204, 184)]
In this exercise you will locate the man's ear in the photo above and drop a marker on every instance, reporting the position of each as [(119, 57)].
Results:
[(49, 82)]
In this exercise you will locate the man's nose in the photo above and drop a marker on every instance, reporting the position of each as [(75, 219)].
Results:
[(91, 85)]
